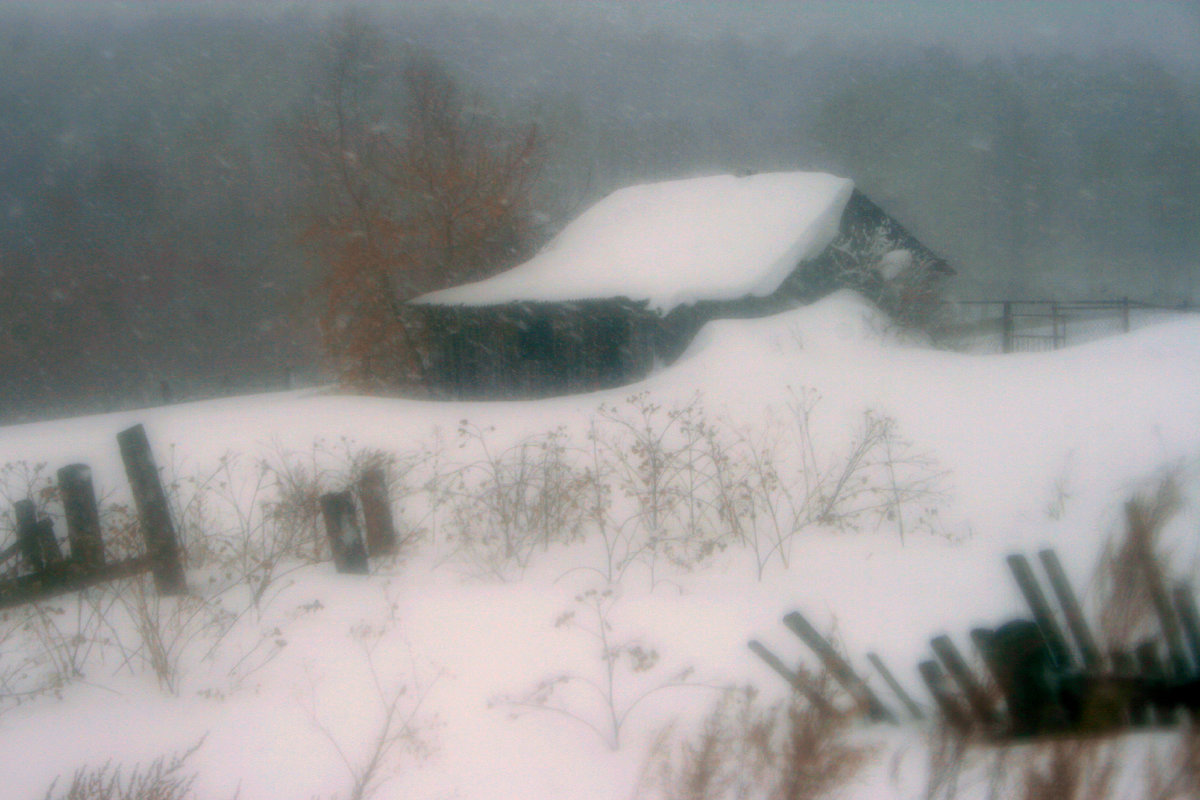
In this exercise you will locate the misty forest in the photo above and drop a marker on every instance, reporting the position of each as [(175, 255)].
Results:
[(177, 181)]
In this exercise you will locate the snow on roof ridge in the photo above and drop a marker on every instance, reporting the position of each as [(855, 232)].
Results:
[(676, 242)]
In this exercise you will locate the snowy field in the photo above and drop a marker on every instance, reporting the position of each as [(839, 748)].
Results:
[(472, 666)]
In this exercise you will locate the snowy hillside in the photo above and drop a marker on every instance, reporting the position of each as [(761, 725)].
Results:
[(483, 638)]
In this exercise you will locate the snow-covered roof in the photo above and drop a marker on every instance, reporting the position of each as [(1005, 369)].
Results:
[(677, 242)]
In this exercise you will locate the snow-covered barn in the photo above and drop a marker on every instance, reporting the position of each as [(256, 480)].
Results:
[(628, 283)]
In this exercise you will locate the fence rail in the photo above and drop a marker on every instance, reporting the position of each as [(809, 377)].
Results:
[(1011, 326)]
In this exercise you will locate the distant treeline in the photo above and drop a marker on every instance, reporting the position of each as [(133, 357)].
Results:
[(153, 210)]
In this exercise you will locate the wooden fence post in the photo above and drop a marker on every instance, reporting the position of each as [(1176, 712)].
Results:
[(935, 680), (1185, 605), (1125, 314), (35, 537), (954, 663), (1042, 615), (377, 512), (841, 671), (82, 515), (345, 539), (155, 516), (1070, 606)]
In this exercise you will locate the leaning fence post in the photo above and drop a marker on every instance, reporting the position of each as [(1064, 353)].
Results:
[(377, 512), (1042, 615), (842, 672), (82, 515), (153, 513), (954, 663), (1070, 606), (1185, 605), (345, 539)]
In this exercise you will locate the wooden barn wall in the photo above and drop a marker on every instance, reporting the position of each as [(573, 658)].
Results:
[(542, 349)]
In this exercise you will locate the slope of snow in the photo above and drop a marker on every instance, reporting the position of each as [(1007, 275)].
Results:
[(677, 242), (1038, 449)]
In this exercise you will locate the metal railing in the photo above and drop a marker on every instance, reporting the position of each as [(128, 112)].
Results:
[(1014, 326)]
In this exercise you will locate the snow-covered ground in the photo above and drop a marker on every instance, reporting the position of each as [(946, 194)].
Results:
[(1009, 453)]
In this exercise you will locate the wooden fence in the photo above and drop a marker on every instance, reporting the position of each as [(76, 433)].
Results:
[(1043, 675), (38, 567)]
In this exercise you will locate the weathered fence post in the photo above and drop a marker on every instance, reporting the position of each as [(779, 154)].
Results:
[(842, 672), (935, 681), (82, 515), (954, 663), (894, 685), (377, 512), (1070, 606), (1006, 327), (794, 679), (155, 516), (345, 539), (35, 537), (1042, 615), (1185, 604), (1125, 314)]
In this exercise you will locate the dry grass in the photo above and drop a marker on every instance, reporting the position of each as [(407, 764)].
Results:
[(1131, 569), (783, 752), (162, 779)]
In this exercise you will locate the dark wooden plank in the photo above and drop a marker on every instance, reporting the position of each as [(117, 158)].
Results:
[(345, 538), (377, 512), (839, 668), (48, 542), (67, 576), (956, 666), (935, 680), (1185, 604), (1042, 615), (913, 709), (158, 530), (28, 540), (794, 679), (1076, 623), (82, 515)]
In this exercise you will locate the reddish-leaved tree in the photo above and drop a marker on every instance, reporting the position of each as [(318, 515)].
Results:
[(414, 190)]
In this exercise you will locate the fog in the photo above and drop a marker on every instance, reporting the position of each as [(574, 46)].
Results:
[(154, 208)]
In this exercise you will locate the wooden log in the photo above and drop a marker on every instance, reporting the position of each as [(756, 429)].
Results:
[(67, 576), (794, 679), (1067, 600), (157, 529), (935, 680), (82, 515), (377, 512), (1185, 604), (956, 666), (28, 539), (1042, 615), (913, 709), (345, 538), (841, 671)]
